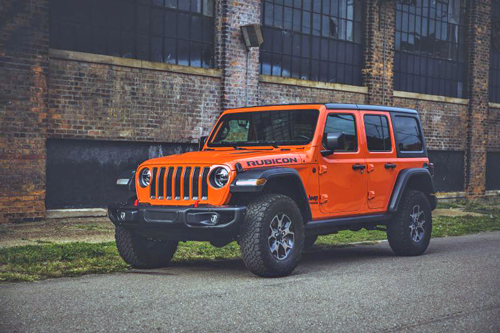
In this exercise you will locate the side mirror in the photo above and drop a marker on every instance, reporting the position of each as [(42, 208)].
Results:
[(332, 142), (201, 143)]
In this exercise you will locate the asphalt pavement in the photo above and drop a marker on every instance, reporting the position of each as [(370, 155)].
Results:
[(455, 286)]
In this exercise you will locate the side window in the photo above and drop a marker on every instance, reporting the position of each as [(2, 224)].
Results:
[(408, 134), (377, 133), (343, 123)]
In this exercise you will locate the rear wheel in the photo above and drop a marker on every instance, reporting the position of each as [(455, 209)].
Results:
[(141, 252), (272, 236), (409, 232)]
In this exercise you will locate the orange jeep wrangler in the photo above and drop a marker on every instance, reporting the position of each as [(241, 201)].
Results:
[(273, 178)]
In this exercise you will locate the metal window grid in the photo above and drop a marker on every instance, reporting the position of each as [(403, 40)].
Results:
[(171, 31), (313, 40), (430, 44), (495, 52)]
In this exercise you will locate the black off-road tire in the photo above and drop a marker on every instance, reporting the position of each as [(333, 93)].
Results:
[(141, 252), (309, 241), (255, 232), (400, 233)]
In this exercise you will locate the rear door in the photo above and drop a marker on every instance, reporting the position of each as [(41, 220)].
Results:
[(382, 164), (342, 176)]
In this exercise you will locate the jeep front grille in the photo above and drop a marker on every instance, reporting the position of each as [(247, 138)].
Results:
[(179, 183)]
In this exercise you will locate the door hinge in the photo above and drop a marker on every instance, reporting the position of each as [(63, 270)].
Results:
[(322, 169), (324, 199), (371, 195)]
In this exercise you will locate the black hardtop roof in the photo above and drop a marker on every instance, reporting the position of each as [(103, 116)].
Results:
[(332, 106), (339, 106)]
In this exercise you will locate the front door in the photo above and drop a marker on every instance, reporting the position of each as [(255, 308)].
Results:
[(382, 164), (342, 175)]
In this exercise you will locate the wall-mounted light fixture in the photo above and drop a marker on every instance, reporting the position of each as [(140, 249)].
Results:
[(252, 35)]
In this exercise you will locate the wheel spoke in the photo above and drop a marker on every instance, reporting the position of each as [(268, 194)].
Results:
[(281, 236), (275, 248), (280, 221)]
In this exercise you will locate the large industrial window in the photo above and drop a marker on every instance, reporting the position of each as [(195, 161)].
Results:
[(318, 40), (430, 47), (171, 31), (495, 52)]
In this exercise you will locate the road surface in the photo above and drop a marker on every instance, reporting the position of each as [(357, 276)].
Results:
[(455, 286)]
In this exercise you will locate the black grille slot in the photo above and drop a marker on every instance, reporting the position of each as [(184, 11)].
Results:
[(177, 188), (185, 185), (169, 183), (196, 183), (204, 184), (152, 187), (161, 184)]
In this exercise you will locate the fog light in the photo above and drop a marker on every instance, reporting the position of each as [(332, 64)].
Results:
[(122, 216), (214, 218)]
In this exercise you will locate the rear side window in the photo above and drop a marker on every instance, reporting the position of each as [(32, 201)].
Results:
[(377, 133), (408, 134), (343, 123)]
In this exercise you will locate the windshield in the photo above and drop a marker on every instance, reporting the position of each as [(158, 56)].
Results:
[(284, 127)]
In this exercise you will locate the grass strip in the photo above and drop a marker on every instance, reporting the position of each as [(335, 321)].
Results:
[(39, 262)]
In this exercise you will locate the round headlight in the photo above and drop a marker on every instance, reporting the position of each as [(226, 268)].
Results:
[(145, 177), (219, 177)]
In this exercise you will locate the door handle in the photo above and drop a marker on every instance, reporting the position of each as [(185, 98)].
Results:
[(390, 166), (358, 167)]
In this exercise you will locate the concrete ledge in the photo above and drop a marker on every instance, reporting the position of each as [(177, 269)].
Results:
[(133, 63), (83, 212), (312, 84), (494, 105), (433, 98), (461, 195)]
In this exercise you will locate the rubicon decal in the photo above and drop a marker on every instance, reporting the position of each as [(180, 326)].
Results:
[(272, 161)]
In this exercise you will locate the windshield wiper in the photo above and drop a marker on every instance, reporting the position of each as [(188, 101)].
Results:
[(268, 143), (236, 146)]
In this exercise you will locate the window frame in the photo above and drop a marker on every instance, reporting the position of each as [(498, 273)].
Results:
[(295, 56), (218, 127), (408, 154), (428, 72), (389, 129), (138, 29), (354, 115), (494, 77)]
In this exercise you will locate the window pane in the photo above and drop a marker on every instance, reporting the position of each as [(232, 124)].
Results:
[(292, 26), (435, 31), (377, 133), (141, 29), (408, 134), (343, 123)]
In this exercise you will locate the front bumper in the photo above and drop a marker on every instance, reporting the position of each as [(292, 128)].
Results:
[(183, 218)]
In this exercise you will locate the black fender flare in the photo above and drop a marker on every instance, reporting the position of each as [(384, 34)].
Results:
[(126, 181), (246, 178), (402, 181)]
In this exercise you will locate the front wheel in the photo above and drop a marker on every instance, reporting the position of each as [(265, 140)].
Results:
[(409, 232), (141, 252), (272, 236)]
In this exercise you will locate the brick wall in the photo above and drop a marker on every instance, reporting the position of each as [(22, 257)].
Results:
[(379, 54), (479, 58), (109, 98), (271, 93), (103, 101), (23, 106), (239, 83), (443, 123), (493, 126)]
